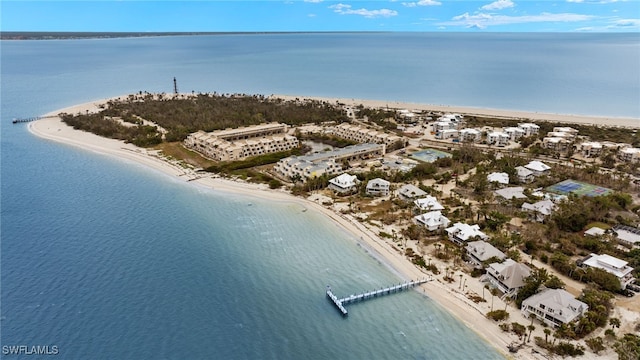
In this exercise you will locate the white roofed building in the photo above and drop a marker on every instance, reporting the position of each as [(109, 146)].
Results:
[(470, 135), (612, 265), (524, 175), (627, 234), (590, 149), (539, 211), (378, 187), (498, 138), (629, 154), (428, 203), (447, 134), (460, 233), (344, 183), (594, 232), (514, 133), (499, 178), (510, 193), (538, 168), (529, 129), (553, 307), (409, 192), (556, 143), (432, 221), (481, 251)]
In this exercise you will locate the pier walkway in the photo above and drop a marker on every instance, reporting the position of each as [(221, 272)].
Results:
[(25, 120), (340, 303)]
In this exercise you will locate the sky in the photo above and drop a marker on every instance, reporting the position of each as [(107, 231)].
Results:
[(322, 15)]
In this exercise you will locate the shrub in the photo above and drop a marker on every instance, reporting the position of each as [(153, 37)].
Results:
[(498, 315)]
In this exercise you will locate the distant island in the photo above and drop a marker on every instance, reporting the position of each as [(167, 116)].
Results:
[(62, 35)]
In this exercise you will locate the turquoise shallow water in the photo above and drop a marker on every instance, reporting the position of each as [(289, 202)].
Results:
[(107, 259)]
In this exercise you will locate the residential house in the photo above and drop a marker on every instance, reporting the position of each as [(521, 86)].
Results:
[(553, 307), (524, 175), (594, 232), (627, 235), (428, 203), (378, 187), (612, 265), (498, 178), (344, 183), (409, 192), (557, 143), (460, 233), (508, 276), (481, 251), (510, 193), (539, 211), (432, 221), (538, 168)]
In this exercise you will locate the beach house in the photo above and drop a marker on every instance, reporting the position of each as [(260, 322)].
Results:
[(590, 149), (538, 168), (428, 203), (553, 307), (540, 210), (410, 192), (500, 179), (480, 251), (524, 175), (612, 265), (460, 233), (507, 276), (378, 187), (510, 193), (344, 183), (432, 221)]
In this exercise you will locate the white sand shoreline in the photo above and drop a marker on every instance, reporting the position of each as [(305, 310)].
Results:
[(52, 128), (498, 113)]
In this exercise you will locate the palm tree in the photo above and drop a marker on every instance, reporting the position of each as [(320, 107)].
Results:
[(494, 292), (547, 332), (531, 327)]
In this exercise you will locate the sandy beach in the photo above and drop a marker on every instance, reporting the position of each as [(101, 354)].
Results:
[(447, 295), (506, 114)]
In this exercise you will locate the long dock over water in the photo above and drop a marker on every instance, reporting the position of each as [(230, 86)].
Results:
[(25, 120), (340, 303)]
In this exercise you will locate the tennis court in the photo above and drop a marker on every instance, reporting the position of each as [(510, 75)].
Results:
[(429, 155), (578, 188)]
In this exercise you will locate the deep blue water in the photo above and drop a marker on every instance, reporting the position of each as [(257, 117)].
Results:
[(107, 259)]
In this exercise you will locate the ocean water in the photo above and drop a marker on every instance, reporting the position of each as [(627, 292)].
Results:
[(107, 259)]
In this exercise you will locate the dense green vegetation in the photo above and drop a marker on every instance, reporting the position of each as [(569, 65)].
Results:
[(183, 115)]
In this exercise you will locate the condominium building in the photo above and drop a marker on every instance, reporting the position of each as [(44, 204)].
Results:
[(325, 162), (529, 129), (243, 142), (364, 135)]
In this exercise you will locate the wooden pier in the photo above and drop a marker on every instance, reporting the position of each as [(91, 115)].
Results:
[(30, 119), (340, 303)]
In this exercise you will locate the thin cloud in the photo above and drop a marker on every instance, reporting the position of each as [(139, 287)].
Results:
[(498, 5), (593, 1), (624, 23), (422, 3), (344, 9), (313, 1), (484, 20)]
